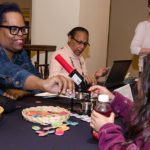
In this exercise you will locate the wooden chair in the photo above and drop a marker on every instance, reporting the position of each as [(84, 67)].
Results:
[(36, 50)]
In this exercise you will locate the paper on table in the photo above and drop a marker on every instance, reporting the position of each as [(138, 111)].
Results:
[(47, 94), (125, 91)]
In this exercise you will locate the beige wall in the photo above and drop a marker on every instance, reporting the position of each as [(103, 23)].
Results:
[(52, 19), (94, 15), (125, 14)]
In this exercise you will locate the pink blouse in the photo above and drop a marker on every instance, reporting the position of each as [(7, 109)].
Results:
[(76, 62)]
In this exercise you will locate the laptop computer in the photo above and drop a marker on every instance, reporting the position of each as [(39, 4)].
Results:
[(117, 74)]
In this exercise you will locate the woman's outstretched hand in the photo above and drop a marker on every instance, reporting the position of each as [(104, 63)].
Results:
[(96, 89)]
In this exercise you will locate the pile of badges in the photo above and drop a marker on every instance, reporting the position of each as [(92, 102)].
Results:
[(56, 128)]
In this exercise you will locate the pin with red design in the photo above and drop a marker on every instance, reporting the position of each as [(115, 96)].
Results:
[(59, 132)]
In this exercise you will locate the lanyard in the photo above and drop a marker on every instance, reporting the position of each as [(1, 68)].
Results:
[(79, 63)]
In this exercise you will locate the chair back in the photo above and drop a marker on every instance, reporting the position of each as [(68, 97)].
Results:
[(37, 50)]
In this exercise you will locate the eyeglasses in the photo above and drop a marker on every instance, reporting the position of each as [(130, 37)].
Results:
[(81, 42), (14, 30)]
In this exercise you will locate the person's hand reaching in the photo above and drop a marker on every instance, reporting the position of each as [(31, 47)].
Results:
[(96, 89)]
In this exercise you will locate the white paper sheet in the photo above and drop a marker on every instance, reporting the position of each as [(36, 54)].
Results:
[(48, 95), (125, 91)]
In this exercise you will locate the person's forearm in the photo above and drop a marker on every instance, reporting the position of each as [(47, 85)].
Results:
[(111, 137), (33, 83), (144, 51)]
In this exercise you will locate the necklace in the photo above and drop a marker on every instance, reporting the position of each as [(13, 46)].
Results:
[(79, 63)]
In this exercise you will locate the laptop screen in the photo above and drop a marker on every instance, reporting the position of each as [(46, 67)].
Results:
[(117, 72)]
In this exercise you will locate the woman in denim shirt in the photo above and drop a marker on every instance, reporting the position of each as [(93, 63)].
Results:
[(16, 69)]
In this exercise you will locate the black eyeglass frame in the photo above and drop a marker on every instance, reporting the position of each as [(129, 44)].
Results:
[(81, 42), (18, 29)]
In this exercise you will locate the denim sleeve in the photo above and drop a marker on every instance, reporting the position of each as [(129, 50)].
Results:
[(11, 75), (28, 64)]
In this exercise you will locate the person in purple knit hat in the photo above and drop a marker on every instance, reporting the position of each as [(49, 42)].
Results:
[(135, 116)]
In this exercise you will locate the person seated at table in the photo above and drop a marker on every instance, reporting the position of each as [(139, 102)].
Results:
[(78, 40), (17, 70), (135, 115)]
